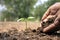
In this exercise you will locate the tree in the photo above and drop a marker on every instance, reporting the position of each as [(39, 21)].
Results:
[(19, 8), (39, 11)]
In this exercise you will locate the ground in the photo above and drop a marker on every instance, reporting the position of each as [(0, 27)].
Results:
[(18, 31)]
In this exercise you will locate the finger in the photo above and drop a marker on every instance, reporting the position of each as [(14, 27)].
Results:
[(58, 16), (54, 6), (45, 14), (55, 25), (51, 28)]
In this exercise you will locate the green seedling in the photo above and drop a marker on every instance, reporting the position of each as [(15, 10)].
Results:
[(21, 19), (26, 19), (31, 18)]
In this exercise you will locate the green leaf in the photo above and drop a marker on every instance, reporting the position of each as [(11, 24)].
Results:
[(21, 19)]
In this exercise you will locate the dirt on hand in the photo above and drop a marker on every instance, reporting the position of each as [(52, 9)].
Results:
[(49, 20)]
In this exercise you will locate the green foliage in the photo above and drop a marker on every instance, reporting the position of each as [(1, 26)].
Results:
[(40, 10), (17, 9), (20, 8), (31, 18), (26, 20), (21, 19)]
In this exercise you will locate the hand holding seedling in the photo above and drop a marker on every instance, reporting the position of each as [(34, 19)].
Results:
[(54, 13)]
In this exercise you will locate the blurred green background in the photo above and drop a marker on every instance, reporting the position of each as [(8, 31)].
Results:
[(17, 9)]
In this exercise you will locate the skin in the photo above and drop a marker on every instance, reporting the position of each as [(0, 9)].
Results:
[(53, 10)]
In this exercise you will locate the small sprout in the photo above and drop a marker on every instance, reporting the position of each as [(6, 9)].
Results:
[(31, 18), (21, 19), (26, 19)]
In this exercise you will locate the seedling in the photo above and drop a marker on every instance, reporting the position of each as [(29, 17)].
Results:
[(26, 19)]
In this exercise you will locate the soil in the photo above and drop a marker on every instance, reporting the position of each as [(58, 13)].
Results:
[(28, 34), (49, 21)]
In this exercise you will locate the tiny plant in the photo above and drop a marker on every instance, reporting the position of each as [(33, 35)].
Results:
[(26, 19)]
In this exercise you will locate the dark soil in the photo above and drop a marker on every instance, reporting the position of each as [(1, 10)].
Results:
[(28, 34)]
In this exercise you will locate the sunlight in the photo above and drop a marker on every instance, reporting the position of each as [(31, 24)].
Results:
[(2, 7), (39, 2)]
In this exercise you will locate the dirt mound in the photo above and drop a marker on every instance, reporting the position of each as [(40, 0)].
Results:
[(28, 34)]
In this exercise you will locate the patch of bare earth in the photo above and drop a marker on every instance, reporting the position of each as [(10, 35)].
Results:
[(18, 31)]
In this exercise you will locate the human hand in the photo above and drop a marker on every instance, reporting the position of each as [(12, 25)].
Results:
[(53, 11)]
